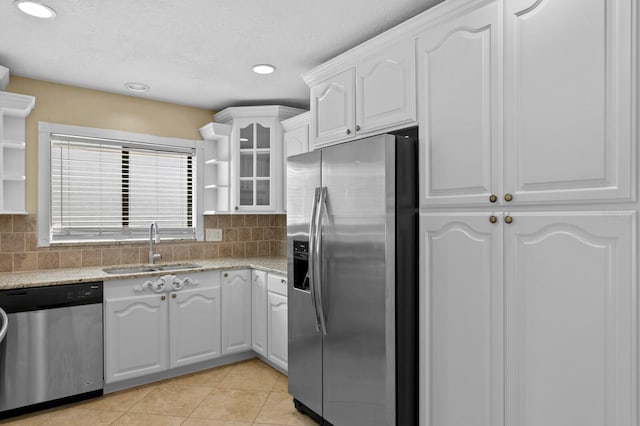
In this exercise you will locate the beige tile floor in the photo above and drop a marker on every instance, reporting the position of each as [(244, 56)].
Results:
[(246, 393)]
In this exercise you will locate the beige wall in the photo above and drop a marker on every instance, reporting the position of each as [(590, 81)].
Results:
[(59, 103)]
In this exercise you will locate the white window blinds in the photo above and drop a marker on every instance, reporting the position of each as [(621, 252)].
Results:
[(105, 190)]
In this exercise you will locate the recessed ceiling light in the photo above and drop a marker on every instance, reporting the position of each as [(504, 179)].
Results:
[(35, 8), (137, 87), (263, 69)]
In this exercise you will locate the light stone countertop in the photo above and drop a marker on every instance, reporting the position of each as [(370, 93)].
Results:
[(78, 275)]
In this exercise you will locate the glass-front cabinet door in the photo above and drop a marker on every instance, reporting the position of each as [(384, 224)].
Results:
[(255, 171)]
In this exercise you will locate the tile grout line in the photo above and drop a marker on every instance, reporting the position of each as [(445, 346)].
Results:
[(117, 418)]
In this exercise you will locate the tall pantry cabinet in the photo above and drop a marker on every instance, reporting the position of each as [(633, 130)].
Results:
[(528, 226)]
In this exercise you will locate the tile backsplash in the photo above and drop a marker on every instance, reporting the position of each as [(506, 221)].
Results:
[(242, 236)]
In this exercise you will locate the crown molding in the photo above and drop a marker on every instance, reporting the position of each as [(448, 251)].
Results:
[(297, 121), (16, 104), (215, 130), (280, 112), (4, 77)]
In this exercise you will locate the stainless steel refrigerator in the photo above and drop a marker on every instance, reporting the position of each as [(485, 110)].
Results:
[(352, 262)]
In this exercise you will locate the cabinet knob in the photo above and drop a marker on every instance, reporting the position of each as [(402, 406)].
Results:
[(508, 219), (348, 131), (508, 197), (226, 275), (493, 219), (236, 207), (357, 128), (173, 296), (163, 298), (282, 281), (493, 198)]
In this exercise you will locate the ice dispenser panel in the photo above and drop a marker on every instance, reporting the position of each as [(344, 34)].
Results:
[(300, 265)]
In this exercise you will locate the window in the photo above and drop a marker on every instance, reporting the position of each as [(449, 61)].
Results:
[(112, 189)]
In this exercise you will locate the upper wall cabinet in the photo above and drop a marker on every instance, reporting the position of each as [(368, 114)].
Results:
[(374, 93), (14, 109), (333, 109), (296, 134), (554, 124), (568, 99), (458, 100), (254, 166)]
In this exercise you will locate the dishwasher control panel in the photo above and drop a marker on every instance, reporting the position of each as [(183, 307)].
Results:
[(50, 297)]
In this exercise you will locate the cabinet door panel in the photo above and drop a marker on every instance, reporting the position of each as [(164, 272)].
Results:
[(277, 323), (136, 337), (333, 109), (194, 326), (568, 106), (258, 164), (259, 312), (385, 88), (236, 311), (571, 320), (458, 92), (461, 340)]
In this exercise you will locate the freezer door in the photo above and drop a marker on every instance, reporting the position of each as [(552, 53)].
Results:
[(358, 282), (305, 341)]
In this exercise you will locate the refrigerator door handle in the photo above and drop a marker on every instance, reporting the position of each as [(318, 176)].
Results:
[(317, 257), (310, 275)]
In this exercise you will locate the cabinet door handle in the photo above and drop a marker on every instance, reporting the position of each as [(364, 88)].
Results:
[(348, 131), (357, 128), (226, 275), (508, 219), (493, 219), (173, 296), (493, 198), (163, 298), (236, 207), (282, 281), (508, 197)]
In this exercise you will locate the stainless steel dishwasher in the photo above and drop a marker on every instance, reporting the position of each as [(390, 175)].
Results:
[(52, 352)]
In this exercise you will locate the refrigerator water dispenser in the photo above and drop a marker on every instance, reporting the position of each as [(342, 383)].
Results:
[(300, 265)]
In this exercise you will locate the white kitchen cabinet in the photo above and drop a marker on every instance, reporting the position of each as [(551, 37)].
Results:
[(236, 311), (214, 168), (461, 320), (333, 109), (569, 91), (259, 312), (14, 109), (256, 167), (149, 332), (136, 336), (277, 321), (296, 141), (571, 319), (565, 131), (458, 83), (385, 89), (565, 349), (296, 134), (194, 325), (370, 95)]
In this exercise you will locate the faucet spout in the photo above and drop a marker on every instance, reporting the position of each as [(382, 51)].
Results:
[(154, 238)]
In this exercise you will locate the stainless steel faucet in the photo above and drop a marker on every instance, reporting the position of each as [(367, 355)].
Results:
[(154, 238)]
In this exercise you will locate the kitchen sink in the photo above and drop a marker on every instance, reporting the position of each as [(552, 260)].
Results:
[(150, 268)]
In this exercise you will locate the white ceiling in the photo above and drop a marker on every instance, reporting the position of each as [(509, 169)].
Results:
[(193, 52)]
